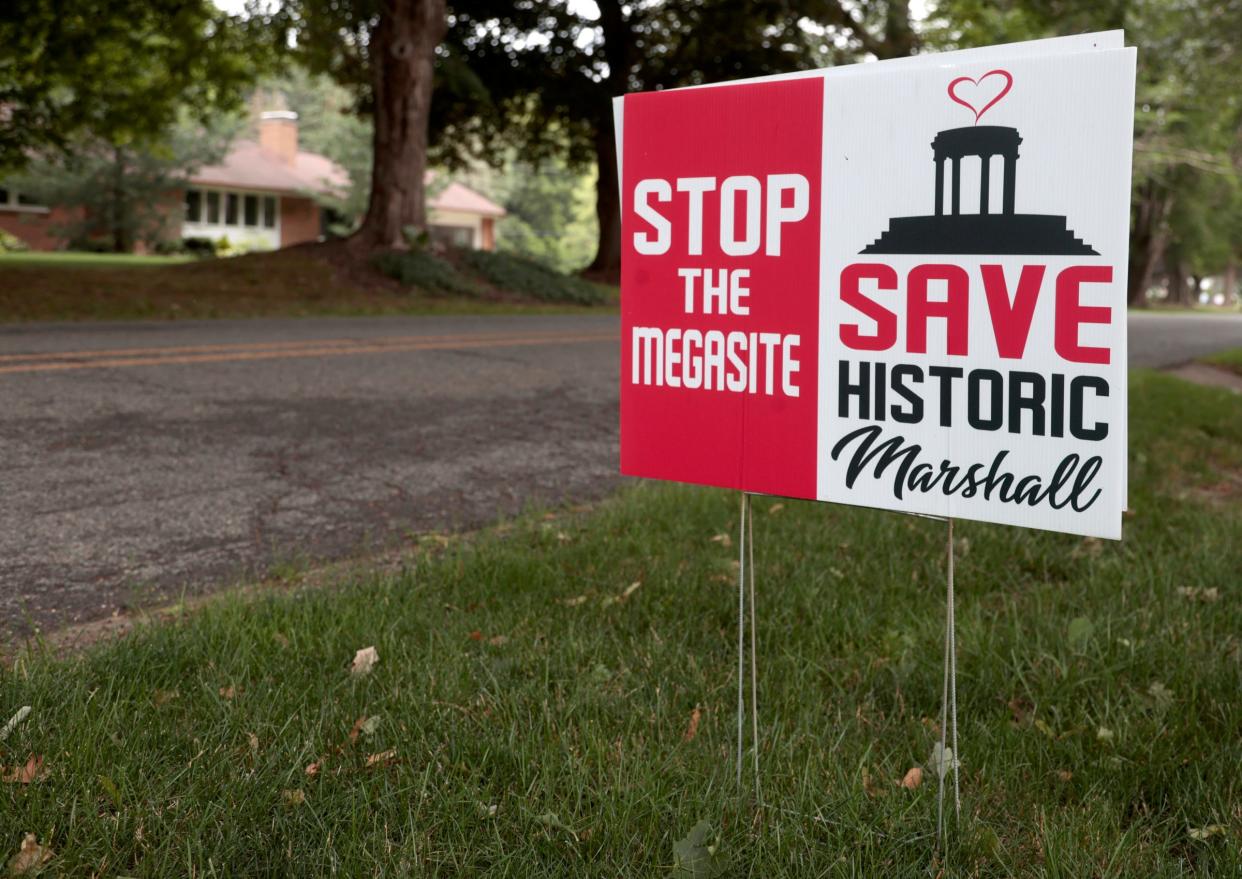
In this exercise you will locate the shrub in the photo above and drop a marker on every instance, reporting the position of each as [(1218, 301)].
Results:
[(520, 275), (420, 269), (200, 247), (10, 243)]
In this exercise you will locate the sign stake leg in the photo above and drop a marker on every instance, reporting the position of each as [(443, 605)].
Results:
[(754, 653), (947, 758), (741, 634)]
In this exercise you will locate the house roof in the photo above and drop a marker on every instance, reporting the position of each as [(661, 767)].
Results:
[(249, 166), (459, 197)]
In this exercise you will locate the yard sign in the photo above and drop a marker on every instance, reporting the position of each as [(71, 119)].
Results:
[(897, 285)]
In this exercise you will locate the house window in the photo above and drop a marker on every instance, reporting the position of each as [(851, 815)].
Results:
[(214, 207), (14, 200), (193, 205), (457, 236)]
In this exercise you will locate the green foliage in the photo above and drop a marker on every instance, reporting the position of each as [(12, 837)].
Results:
[(551, 214), (427, 272), (119, 72), (124, 194), (505, 273), (1187, 151), (528, 278), (10, 243)]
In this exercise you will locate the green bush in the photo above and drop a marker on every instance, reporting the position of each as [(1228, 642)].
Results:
[(10, 243), (420, 269), (516, 274), (200, 247)]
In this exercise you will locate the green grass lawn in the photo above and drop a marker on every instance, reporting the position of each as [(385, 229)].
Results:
[(525, 719), (1231, 360), (315, 279), (87, 260)]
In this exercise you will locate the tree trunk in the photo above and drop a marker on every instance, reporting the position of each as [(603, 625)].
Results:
[(1176, 280), (1148, 237), (607, 263), (402, 50), (120, 219), (1230, 281), (618, 51)]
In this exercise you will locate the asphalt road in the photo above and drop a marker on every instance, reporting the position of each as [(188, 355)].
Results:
[(144, 460)]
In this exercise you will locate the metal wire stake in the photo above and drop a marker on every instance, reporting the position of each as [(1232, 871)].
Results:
[(741, 633), (754, 653), (948, 702), (957, 795)]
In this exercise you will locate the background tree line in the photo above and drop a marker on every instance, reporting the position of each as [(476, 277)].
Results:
[(524, 88)]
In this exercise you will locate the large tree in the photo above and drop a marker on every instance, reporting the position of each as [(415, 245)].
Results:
[(1187, 149), (119, 72), (385, 50), (553, 67)]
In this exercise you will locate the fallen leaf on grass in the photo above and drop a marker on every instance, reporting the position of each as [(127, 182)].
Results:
[(552, 820), (1019, 709), (383, 758), (1161, 695), (1081, 630), (294, 797), (31, 772), (1104, 734), (254, 742), (942, 760), (623, 595), (30, 858), (913, 778), (364, 726), (7, 730), (775, 508), (1064, 775), (228, 692), (364, 661), (476, 635), (111, 791), (693, 729), (313, 769), (868, 783), (1205, 595), (575, 601), (1202, 834), (698, 855), (723, 540), (498, 640)]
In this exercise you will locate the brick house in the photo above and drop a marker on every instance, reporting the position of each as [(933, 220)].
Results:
[(263, 196)]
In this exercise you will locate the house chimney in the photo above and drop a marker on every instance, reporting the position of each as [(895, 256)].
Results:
[(278, 134)]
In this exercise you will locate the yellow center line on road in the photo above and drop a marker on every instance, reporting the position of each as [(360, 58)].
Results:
[(443, 344), (177, 350)]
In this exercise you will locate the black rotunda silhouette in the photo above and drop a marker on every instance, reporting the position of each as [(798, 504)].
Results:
[(984, 232)]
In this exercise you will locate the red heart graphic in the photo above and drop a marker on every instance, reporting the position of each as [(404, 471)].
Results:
[(977, 82)]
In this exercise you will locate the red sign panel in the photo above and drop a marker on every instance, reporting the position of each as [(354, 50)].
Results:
[(720, 387)]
